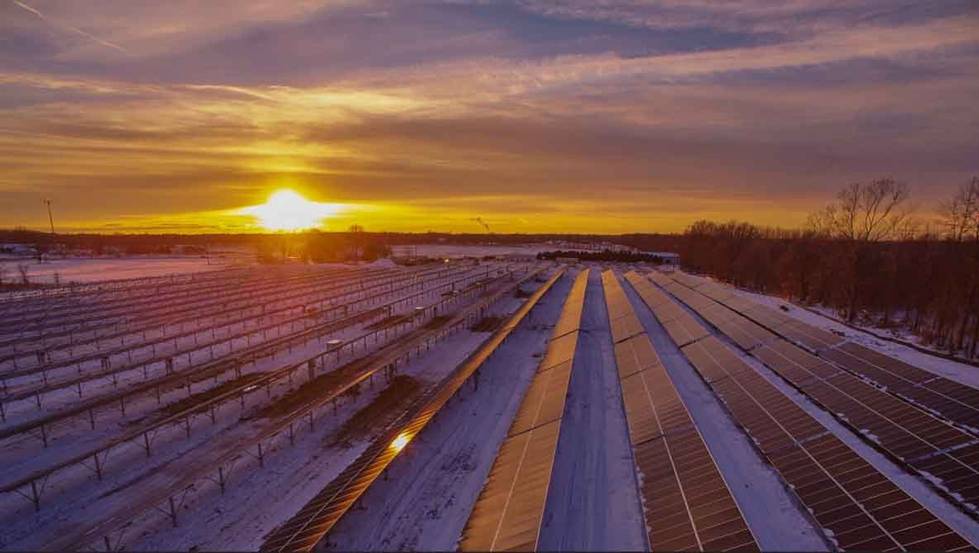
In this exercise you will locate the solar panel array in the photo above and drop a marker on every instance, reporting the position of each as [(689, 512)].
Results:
[(860, 507), (680, 325), (952, 400), (837, 379), (317, 518), (955, 401), (687, 504), (509, 511)]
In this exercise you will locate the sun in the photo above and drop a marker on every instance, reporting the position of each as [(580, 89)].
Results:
[(287, 210)]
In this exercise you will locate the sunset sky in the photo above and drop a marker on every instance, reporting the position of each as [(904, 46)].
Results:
[(534, 116)]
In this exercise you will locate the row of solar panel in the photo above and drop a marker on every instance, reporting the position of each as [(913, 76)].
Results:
[(939, 452), (680, 325), (508, 513), (860, 507), (305, 529), (952, 400), (687, 504)]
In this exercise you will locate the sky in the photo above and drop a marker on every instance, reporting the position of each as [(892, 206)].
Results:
[(601, 116)]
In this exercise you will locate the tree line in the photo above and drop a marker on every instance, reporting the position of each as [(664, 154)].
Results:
[(867, 256)]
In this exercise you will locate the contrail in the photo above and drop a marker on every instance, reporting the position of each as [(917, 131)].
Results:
[(76, 30)]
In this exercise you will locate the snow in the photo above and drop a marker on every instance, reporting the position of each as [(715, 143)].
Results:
[(593, 501), (98, 269), (455, 251), (75, 487), (771, 511)]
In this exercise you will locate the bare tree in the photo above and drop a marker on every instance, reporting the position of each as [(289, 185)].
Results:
[(865, 212), (22, 269), (960, 215)]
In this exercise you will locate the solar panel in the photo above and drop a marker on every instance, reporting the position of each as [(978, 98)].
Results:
[(507, 514), (570, 318), (689, 280), (901, 428), (560, 350), (687, 504), (624, 327), (634, 354), (716, 291), (810, 336), (544, 400), (953, 401), (713, 359), (685, 329), (860, 507), (658, 278)]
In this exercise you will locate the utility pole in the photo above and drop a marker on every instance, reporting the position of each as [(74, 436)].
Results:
[(50, 218)]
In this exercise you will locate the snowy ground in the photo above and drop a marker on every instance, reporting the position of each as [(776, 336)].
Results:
[(428, 494), (593, 502), (64, 500), (454, 251), (98, 269), (425, 502)]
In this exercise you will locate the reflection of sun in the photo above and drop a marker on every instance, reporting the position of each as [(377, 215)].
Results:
[(287, 210), (400, 442)]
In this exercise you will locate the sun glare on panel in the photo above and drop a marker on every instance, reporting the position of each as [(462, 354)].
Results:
[(400, 442), (287, 210)]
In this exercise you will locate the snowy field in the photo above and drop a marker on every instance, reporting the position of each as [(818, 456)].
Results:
[(98, 269), (455, 251), (214, 413)]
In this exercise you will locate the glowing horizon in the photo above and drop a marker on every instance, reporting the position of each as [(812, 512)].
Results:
[(532, 116), (288, 210)]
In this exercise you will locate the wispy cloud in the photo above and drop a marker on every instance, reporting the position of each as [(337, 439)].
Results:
[(651, 113), (68, 27)]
